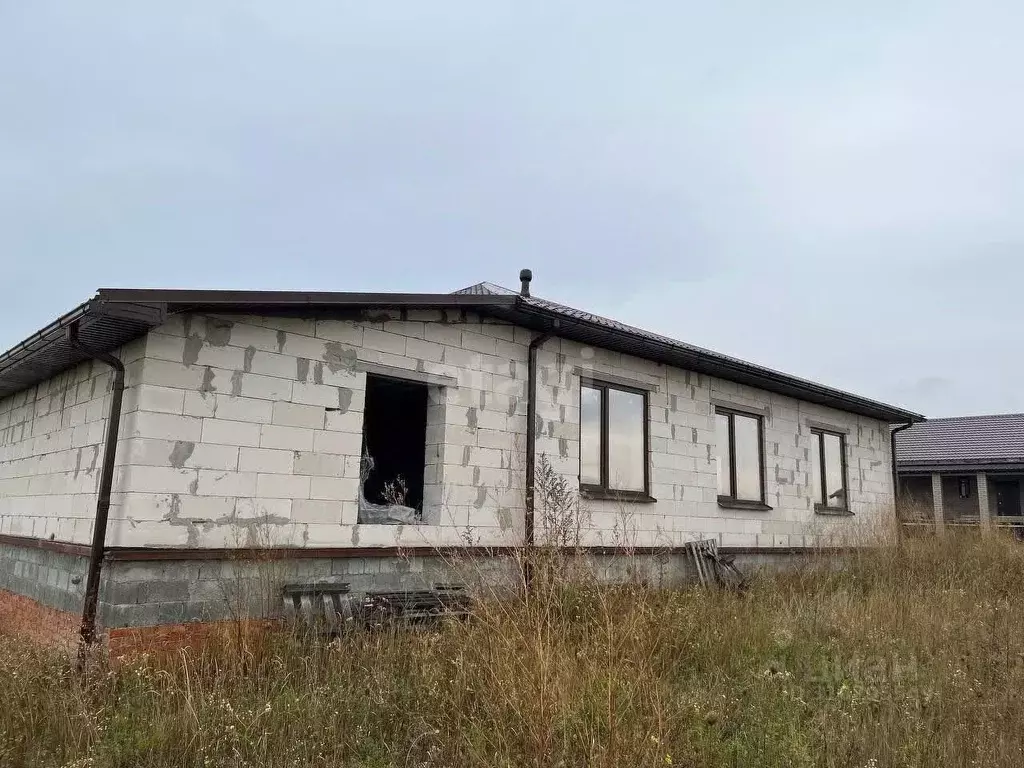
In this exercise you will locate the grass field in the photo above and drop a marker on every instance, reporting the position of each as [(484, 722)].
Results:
[(911, 656)]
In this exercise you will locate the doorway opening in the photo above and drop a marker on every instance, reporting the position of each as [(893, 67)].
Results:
[(394, 443)]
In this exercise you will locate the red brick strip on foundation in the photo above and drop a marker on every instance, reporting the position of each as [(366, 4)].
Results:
[(162, 638), (22, 616)]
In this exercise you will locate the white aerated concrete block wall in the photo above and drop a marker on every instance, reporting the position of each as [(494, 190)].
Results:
[(249, 430), (683, 458), (51, 452)]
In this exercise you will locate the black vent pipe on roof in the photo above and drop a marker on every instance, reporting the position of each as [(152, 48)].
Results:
[(525, 276), (99, 529)]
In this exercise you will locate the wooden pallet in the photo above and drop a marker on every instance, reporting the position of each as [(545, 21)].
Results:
[(332, 608), (712, 568)]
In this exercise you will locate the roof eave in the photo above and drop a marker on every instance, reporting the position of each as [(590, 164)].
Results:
[(961, 466), (699, 362), (249, 301), (116, 316)]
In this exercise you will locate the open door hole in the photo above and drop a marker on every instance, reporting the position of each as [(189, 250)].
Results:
[(395, 440)]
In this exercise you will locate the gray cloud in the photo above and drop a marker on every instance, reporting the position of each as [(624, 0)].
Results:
[(833, 192)]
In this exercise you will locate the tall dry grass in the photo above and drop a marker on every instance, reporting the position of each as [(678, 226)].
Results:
[(912, 655)]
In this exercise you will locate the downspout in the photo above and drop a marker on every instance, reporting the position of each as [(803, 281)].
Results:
[(531, 451), (895, 473), (99, 530)]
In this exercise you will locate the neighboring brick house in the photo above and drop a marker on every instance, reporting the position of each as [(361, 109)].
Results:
[(249, 420), (962, 471)]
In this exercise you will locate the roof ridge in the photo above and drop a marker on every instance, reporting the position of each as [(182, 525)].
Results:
[(486, 287)]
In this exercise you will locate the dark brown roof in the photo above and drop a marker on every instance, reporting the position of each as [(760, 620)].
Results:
[(964, 442), (115, 316), (603, 332)]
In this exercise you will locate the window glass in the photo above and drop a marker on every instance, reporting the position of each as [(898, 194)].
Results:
[(748, 458), (590, 436), (722, 439), (625, 440), (835, 494)]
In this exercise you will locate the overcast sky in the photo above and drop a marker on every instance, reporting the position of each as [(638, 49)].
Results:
[(834, 193)]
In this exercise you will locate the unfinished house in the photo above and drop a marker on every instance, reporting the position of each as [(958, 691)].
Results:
[(962, 471), (154, 444)]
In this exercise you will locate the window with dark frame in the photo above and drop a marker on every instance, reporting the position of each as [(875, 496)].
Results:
[(613, 440), (828, 471), (740, 439)]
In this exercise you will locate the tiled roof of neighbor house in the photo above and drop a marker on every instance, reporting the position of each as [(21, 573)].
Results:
[(965, 441), (115, 316)]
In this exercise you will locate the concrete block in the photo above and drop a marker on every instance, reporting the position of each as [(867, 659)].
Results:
[(260, 338), (509, 350), (163, 453), (161, 346), (344, 331), (347, 421), (383, 341), (223, 432), (424, 350), (162, 425), (175, 326), (447, 335), (167, 374), (342, 377), (411, 329), (214, 482), (266, 460), (288, 438), (296, 415), (487, 457), (451, 435), (161, 591), (334, 488), (149, 397), (425, 315), (501, 331), (265, 387), (203, 404), (290, 325), (153, 509), (499, 421), (282, 487), (344, 443), (279, 509), (159, 480), (306, 346), (225, 358), (323, 464), (321, 394), (249, 409), (478, 342), (272, 364), (316, 511)]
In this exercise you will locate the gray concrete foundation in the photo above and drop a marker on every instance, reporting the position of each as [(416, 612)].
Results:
[(52, 578), (137, 593)]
